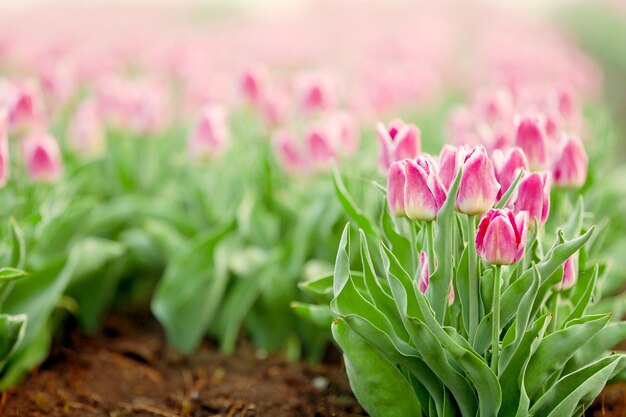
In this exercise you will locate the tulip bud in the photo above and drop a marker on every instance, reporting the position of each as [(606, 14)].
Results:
[(501, 236), (398, 141), (85, 134), (530, 135), (395, 188), (26, 108), (315, 92), (424, 193), (210, 136), (320, 146), (533, 196), (42, 158), (4, 149), (253, 83), (424, 278), (450, 159), (569, 275), (569, 168), (479, 188), (288, 152), (507, 166)]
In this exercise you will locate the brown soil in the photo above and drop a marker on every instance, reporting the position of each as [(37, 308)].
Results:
[(128, 371)]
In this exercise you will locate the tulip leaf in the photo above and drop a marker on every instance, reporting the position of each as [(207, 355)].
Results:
[(350, 207), (562, 399), (18, 246), (605, 339), (8, 274), (512, 188), (12, 328), (462, 286), (513, 372), (557, 348), (319, 315), (378, 385), (581, 305)]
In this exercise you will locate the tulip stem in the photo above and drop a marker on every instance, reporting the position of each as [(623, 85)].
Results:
[(495, 330), (414, 255), (555, 312), (473, 281), (430, 236)]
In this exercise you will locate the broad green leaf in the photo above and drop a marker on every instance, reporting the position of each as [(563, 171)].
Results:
[(581, 386), (18, 246), (350, 207), (319, 315), (378, 385), (12, 328), (8, 274), (557, 348), (581, 306)]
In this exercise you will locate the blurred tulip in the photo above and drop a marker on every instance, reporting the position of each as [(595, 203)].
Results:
[(501, 236), (254, 83), (320, 146), (507, 167), (210, 137), (395, 188), (569, 169), (530, 135), (42, 157), (398, 141), (4, 149), (533, 197), (315, 92), (424, 193), (344, 132), (25, 105), (288, 152), (479, 188), (86, 135)]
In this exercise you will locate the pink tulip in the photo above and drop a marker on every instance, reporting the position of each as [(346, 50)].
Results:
[(25, 105), (253, 83), (398, 141), (315, 92), (479, 188), (424, 277), (4, 150), (344, 132), (395, 188), (424, 193), (210, 136), (533, 196), (569, 275), (86, 134), (320, 146), (288, 152), (501, 236), (450, 158), (42, 157), (569, 168), (507, 167), (530, 135)]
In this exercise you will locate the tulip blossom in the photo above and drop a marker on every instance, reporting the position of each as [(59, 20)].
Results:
[(396, 181), (424, 277), (450, 158), (42, 157), (501, 236), (569, 275), (320, 146), (479, 188), (288, 151), (24, 102), (86, 134), (4, 150), (533, 196), (569, 168), (344, 132), (254, 83), (530, 135), (424, 193), (507, 167), (398, 141), (210, 136), (315, 92)]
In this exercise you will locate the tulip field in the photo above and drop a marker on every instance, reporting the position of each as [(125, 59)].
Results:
[(406, 209)]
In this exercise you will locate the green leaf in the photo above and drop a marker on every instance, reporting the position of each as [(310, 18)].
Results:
[(598, 345), (189, 293), (321, 288), (350, 207), (12, 328), (378, 385), (513, 373), (581, 386), (319, 315), (18, 246), (512, 188), (8, 274), (557, 348), (441, 278), (581, 306)]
